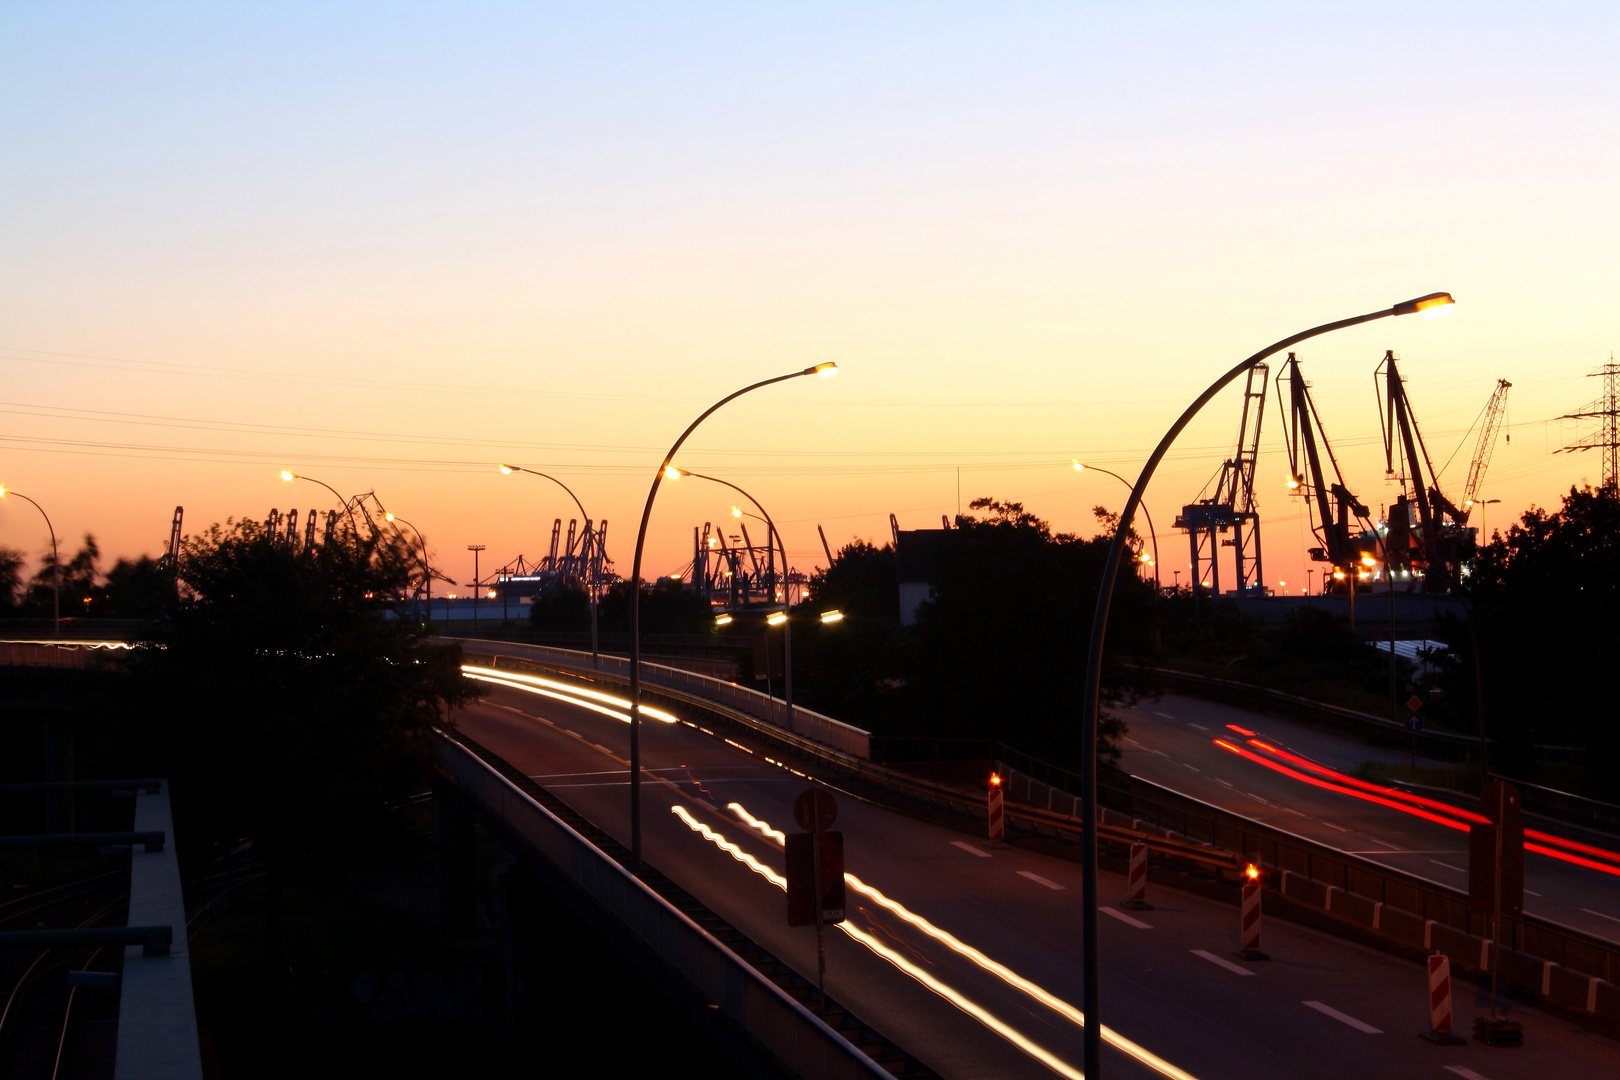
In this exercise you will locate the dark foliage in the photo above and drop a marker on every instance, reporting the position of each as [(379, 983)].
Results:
[(666, 608), (140, 588), (1546, 613), (78, 582), (281, 698), (561, 606), (11, 563), (999, 652), (1314, 652), (849, 669)]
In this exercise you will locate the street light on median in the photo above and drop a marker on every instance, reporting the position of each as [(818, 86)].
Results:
[(348, 504), (592, 585), (1153, 536), (775, 618), (823, 370), (56, 560), (1430, 306)]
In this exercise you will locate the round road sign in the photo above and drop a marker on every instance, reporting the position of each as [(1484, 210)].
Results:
[(815, 810)]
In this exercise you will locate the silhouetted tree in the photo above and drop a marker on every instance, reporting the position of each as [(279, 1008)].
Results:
[(140, 588), (561, 606), (287, 699), (850, 669), (1546, 614), (666, 608), (11, 564), (78, 581), (1000, 651)]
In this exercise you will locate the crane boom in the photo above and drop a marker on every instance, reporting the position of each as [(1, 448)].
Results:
[(1494, 409)]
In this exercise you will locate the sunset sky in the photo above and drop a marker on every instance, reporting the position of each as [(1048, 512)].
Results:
[(393, 245)]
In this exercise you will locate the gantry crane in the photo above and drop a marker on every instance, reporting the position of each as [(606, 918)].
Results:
[(1332, 503), (1232, 508), (1491, 422), (1426, 534)]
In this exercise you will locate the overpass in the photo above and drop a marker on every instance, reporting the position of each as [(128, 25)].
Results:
[(963, 955)]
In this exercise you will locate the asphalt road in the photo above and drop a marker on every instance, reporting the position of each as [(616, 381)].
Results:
[(1320, 1008), (1172, 742)]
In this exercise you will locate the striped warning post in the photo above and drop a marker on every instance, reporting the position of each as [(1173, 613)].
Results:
[(1136, 899), (1440, 1031), (998, 820), (1251, 918), (1440, 993)]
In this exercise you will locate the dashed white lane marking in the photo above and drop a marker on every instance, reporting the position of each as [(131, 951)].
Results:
[(1221, 961), (1343, 1018), (1184, 765), (1296, 813), (1465, 1073), (1233, 786), (1459, 869), (1532, 892), (1124, 918), (1043, 881), (1330, 825), (1200, 727), (1599, 914), (1256, 798), (1166, 715), (970, 849)]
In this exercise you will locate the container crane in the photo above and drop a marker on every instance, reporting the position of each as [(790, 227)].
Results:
[(1332, 503), (1233, 507), (1491, 422), (1426, 534)]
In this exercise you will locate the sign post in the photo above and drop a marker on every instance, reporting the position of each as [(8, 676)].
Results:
[(1496, 882), (815, 871)]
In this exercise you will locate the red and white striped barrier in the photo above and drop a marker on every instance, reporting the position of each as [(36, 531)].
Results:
[(1251, 917), (998, 819), (1136, 898), (1440, 994), (1440, 1003)]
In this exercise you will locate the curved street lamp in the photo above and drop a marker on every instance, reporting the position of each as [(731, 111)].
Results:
[(56, 560), (348, 507), (593, 585), (635, 593), (1153, 536), (427, 571), (770, 535), (1430, 306)]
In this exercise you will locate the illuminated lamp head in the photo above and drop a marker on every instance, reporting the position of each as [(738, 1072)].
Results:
[(995, 779), (507, 470), (672, 473), (1294, 483), (832, 616), (285, 475), (722, 620), (1432, 306), (776, 618), (826, 370)]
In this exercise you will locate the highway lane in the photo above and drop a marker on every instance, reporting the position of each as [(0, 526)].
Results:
[(1019, 908), (1172, 742)]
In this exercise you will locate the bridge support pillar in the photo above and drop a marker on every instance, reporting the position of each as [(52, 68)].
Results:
[(57, 745), (517, 895), (454, 862)]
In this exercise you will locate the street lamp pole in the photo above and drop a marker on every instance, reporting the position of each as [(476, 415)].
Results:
[(635, 595), (348, 506), (56, 562), (1091, 983), (477, 582), (1153, 536), (427, 571), (592, 584), (771, 535)]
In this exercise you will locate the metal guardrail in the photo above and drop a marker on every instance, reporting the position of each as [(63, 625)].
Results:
[(799, 1039), (1138, 800), (823, 729), (152, 839), (153, 940)]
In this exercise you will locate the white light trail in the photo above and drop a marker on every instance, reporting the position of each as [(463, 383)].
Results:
[(574, 695), (1006, 974)]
